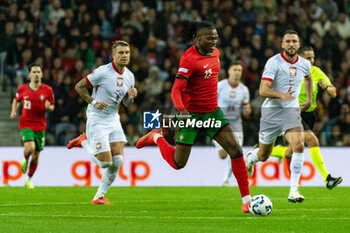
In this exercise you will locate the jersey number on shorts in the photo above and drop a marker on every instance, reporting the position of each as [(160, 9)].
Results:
[(27, 104)]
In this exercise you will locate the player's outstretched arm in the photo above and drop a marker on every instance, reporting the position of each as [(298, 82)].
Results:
[(15, 106)]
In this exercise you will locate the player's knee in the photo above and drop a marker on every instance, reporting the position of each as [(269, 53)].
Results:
[(29, 150), (298, 147), (236, 152), (105, 164), (179, 164), (222, 154)]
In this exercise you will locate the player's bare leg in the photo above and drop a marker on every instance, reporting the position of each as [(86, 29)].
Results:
[(29, 148), (29, 151), (295, 138), (32, 168), (110, 173), (230, 144)]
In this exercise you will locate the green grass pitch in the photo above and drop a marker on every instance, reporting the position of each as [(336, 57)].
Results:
[(170, 209)]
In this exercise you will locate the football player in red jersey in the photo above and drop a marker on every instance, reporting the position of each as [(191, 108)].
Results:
[(195, 96), (36, 98)]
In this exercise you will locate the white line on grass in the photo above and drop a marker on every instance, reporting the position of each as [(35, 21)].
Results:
[(168, 217), (42, 204)]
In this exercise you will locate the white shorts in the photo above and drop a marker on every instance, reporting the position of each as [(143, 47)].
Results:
[(101, 132), (274, 123)]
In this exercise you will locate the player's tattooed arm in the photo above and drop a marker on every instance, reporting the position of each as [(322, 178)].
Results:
[(82, 88)]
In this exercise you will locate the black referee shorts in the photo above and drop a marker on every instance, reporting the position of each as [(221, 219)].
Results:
[(308, 120)]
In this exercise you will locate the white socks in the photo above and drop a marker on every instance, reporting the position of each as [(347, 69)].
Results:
[(253, 158), (245, 199), (296, 166), (109, 176), (156, 136)]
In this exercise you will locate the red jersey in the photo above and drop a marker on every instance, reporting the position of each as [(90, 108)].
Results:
[(201, 73), (33, 110)]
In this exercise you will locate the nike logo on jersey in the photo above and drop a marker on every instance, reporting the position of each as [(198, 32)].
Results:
[(205, 66)]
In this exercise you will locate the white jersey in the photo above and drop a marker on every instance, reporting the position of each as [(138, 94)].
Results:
[(231, 99), (109, 86), (103, 126), (285, 76)]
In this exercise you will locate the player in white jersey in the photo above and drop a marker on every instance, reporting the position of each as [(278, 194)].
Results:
[(280, 112), (104, 139), (232, 95)]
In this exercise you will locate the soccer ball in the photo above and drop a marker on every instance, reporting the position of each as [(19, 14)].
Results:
[(260, 205)]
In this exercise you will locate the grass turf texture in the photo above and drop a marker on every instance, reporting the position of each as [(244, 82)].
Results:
[(170, 209)]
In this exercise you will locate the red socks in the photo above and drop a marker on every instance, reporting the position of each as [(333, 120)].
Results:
[(239, 170), (167, 151), (32, 168)]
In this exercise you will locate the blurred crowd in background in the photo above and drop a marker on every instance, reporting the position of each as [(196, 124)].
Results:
[(71, 38)]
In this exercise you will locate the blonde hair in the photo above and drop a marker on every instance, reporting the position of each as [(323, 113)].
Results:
[(119, 43)]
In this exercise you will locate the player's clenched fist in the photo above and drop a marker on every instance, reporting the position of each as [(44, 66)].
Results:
[(13, 114), (132, 93)]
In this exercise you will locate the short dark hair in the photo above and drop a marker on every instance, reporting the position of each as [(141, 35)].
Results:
[(34, 65), (191, 30), (119, 43), (290, 31), (304, 48), (236, 63)]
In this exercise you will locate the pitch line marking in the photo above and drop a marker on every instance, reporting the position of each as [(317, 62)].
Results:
[(164, 217)]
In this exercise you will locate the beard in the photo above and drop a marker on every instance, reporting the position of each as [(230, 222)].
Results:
[(290, 54)]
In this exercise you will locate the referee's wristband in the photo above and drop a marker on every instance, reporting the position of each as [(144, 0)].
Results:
[(93, 102)]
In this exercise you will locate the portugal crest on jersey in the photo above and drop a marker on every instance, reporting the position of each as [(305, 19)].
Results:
[(293, 71), (119, 82), (42, 97)]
